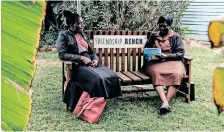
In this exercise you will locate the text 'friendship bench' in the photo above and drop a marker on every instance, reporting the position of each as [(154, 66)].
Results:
[(126, 62)]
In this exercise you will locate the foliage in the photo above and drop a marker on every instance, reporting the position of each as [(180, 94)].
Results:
[(48, 37), (20, 35), (218, 88), (133, 112), (130, 15), (184, 30), (216, 32), (121, 15)]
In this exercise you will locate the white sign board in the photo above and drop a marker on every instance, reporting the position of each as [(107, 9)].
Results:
[(119, 41)]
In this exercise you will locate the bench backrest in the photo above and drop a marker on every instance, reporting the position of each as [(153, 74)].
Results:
[(119, 59)]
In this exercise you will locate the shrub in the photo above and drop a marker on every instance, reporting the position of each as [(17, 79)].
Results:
[(117, 15)]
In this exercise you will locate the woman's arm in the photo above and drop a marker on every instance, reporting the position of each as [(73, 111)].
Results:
[(149, 44), (94, 57), (93, 54), (150, 41), (178, 53), (62, 48)]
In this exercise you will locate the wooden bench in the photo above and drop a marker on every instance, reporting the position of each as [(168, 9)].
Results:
[(126, 62)]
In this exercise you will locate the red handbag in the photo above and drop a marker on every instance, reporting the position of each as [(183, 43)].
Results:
[(89, 109)]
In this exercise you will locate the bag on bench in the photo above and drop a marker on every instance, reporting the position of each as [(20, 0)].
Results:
[(89, 109)]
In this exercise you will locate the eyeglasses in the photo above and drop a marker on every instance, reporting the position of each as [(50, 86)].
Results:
[(162, 25)]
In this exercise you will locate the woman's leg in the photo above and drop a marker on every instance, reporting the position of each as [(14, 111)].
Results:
[(172, 90), (161, 93), (164, 107)]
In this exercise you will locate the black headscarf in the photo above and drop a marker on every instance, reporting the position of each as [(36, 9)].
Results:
[(168, 20), (71, 18)]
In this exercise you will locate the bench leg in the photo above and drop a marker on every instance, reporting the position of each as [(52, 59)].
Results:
[(192, 94), (184, 91), (188, 98), (63, 80)]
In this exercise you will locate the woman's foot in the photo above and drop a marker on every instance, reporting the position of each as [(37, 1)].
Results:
[(70, 109), (164, 108)]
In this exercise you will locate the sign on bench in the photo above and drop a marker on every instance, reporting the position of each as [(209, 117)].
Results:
[(119, 41)]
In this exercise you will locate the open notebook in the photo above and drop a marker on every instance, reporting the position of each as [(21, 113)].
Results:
[(150, 53)]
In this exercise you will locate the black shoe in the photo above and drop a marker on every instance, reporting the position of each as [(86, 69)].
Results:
[(163, 109), (70, 109)]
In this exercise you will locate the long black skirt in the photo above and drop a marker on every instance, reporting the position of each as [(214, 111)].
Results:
[(98, 82)]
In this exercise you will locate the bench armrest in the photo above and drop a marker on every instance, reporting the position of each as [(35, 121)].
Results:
[(187, 58), (67, 62), (68, 65)]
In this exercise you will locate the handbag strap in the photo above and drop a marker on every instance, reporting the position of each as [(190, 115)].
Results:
[(78, 115)]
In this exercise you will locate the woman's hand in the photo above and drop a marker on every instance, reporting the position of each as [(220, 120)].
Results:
[(94, 63), (86, 60), (161, 56), (164, 56)]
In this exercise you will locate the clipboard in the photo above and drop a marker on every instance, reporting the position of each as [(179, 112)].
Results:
[(150, 53)]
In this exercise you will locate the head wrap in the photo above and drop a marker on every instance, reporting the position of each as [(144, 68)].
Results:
[(71, 18), (168, 20)]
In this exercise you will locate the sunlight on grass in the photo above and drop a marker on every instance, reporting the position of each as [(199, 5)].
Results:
[(138, 112)]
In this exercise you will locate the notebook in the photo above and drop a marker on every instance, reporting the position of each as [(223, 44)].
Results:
[(150, 53)]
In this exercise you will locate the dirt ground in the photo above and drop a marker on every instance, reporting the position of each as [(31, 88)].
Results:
[(188, 42)]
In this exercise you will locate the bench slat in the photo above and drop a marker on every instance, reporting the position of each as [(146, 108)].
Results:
[(139, 58), (100, 49), (123, 60), (117, 60), (123, 77), (128, 56), (112, 59), (106, 57), (123, 55), (106, 52), (100, 56), (134, 55), (141, 75), (134, 59), (117, 55), (140, 53), (112, 32), (132, 76), (128, 59)]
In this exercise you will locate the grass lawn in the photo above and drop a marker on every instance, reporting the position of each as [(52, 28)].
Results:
[(131, 112)]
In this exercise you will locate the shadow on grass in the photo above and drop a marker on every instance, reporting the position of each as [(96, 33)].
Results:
[(136, 98)]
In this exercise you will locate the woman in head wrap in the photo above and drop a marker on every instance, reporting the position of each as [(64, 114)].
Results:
[(169, 69), (87, 75)]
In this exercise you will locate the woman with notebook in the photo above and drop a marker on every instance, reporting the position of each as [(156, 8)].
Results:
[(169, 69)]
